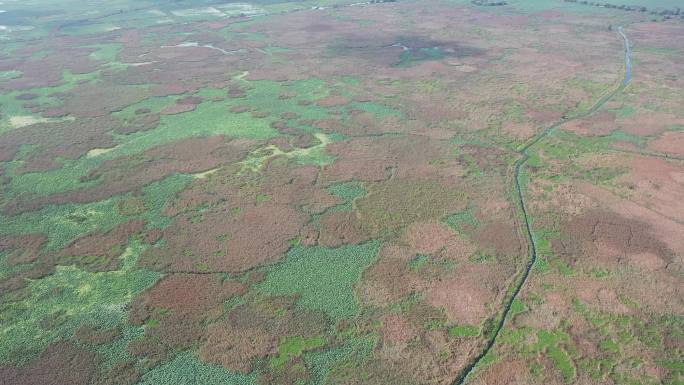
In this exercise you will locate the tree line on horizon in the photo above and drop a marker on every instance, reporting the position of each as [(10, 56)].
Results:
[(666, 13)]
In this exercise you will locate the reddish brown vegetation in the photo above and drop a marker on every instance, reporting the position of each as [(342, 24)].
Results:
[(246, 220), (465, 294), (104, 247), (428, 238), (332, 101), (141, 122), (38, 72), (89, 335), (121, 373), (389, 279), (375, 159), (97, 100), (222, 241), (396, 329), (132, 173), (253, 330), (240, 108), (338, 228), (180, 304), (604, 238), (21, 248), (62, 363), (178, 108), (67, 139), (500, 238), (670, 142), (507, 372)]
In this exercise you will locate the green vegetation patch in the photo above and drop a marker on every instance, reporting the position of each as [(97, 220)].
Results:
[(293, 347), (105, 52), (429, 266), (418, 261), (464, 331), (463, 222), (62, 223), (57, 304), (209, 118), (481, 257), (517, 307), (187, 368), (624, 111), (550, 343), (411, 57), (323, 278), (324, 364), (347, 191)]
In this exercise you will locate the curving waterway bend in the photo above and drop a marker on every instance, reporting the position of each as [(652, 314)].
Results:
[(628, 60), (532, 245)]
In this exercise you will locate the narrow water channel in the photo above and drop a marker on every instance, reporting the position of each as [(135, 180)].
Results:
[(532, 246)]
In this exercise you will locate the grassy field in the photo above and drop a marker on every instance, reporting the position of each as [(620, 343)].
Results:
[(333, 192)]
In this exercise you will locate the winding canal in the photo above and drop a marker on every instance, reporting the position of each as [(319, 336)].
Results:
[(532, 245)]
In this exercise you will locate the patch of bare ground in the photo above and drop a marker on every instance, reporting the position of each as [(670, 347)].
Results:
[(180, 304)]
